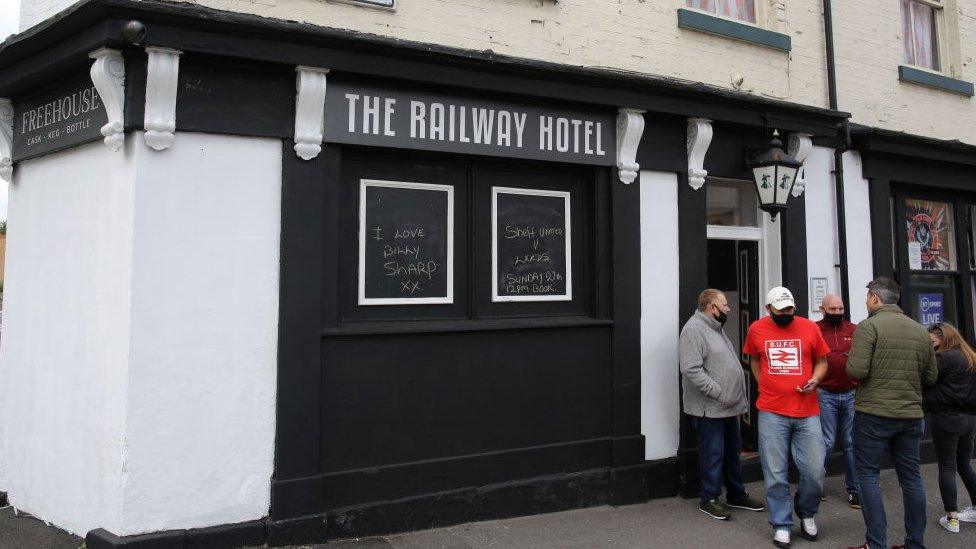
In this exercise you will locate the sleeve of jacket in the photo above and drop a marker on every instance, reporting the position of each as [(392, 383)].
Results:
[(691, 359), (862, 350), (930, 372)]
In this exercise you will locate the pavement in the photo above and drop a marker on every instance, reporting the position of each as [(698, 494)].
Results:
[(662, 523)]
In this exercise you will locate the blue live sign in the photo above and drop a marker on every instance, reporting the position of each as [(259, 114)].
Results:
[(930, 308)]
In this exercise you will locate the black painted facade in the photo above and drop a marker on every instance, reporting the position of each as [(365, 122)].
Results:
[(907, 172), (406, 417)]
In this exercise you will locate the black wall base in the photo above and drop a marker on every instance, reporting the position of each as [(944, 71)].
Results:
[(3, 499), (614, 486)]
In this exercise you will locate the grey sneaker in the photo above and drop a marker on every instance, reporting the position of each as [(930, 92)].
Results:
[(747, 503), (715, 509)]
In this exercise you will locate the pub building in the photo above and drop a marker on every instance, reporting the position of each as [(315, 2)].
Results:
[(272, 282)]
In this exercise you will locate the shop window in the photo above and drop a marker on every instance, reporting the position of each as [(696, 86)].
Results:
[(731, 203), (740, 10), (931, 235), (920, 21), (452, 240)]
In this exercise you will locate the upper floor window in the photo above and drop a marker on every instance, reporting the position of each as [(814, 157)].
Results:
[(920, 32), (742, 10)]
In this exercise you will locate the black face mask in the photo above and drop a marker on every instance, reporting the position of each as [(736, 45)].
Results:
[(722, 318), (834, 320), (782, 320)]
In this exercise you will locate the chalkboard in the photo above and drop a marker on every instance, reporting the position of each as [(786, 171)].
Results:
[(531, 255), (406, 243)]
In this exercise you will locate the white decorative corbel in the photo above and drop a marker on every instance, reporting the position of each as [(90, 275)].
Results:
[(6, 139), (108, 76), (699, 138), (630, 128), (800, 146), (309, 111), (163, 71)]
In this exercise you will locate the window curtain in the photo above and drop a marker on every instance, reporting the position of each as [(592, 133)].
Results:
[(743, 10), (919, 44)]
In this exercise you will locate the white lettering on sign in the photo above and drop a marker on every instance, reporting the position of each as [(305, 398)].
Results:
[(565, 133), (61, 109), (443, 121)]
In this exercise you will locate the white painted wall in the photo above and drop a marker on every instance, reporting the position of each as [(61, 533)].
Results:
[(65, 345), (138, 358), (857, 205), (33, 12), (821, 206), (200, 422), (822, 239), (659, 313)]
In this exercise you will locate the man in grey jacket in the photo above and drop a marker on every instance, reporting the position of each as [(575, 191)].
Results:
[(714, 395)]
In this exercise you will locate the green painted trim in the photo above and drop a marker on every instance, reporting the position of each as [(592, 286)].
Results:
[(911, 74), (690, 19)]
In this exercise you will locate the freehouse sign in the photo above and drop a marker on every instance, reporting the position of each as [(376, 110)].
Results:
[(365, 115), (62, 117)]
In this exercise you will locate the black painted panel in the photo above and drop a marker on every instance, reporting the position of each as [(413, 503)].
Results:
[(794, 253), (303, 194), (228, 96), (475, 470), (412, 397)]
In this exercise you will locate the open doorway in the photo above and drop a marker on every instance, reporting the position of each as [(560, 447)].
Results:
[(733, 268)]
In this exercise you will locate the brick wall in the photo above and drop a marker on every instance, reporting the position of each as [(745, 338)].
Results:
[(629, 35), (868, 40)]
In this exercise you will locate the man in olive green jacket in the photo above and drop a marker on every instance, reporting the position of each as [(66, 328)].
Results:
[(892, 358)]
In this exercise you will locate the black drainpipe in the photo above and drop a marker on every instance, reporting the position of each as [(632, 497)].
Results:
[(845, 291)]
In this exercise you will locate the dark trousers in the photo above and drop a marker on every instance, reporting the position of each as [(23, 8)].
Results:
[(953, 435), (873, 435), (719, 443)]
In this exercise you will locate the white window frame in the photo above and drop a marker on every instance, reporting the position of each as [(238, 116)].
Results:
[(762, 11), (565, 195), (941, 33), (446, 299)]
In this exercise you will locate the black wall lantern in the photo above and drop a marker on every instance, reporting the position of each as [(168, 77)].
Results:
[(774, 171)]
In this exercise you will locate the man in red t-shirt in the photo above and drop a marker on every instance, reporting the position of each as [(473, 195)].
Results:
[(836, 391), (789, 359)]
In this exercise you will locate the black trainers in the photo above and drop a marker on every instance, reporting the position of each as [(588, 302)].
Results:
[(715, 509), (747, 503), (854, 500)]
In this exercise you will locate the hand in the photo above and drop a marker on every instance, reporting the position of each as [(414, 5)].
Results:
[(809, 386)]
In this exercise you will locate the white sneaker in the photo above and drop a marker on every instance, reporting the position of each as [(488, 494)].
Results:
[(808, 528), (949, 524), (967, 515), (781, 538)]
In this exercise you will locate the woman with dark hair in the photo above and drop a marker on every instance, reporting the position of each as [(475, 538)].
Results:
[(953, 425)]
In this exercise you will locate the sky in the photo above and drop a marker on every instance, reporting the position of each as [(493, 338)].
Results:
[(9, 21)]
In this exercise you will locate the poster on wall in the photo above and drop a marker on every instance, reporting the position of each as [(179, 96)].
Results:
[(930, 235), (930, 309), (531, 259), (406, 243), (818, 290)]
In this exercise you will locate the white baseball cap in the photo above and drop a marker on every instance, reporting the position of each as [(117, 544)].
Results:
[(780, 298)]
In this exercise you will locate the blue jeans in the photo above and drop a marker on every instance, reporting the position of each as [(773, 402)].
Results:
[(719, 443), (872, 436), (780, 436), (837, 411)]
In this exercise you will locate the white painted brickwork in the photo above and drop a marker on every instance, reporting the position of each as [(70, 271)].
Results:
[(868, 36), (35, 11), (629, 35)]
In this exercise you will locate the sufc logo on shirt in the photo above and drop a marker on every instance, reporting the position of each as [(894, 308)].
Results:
[(784, 357)]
